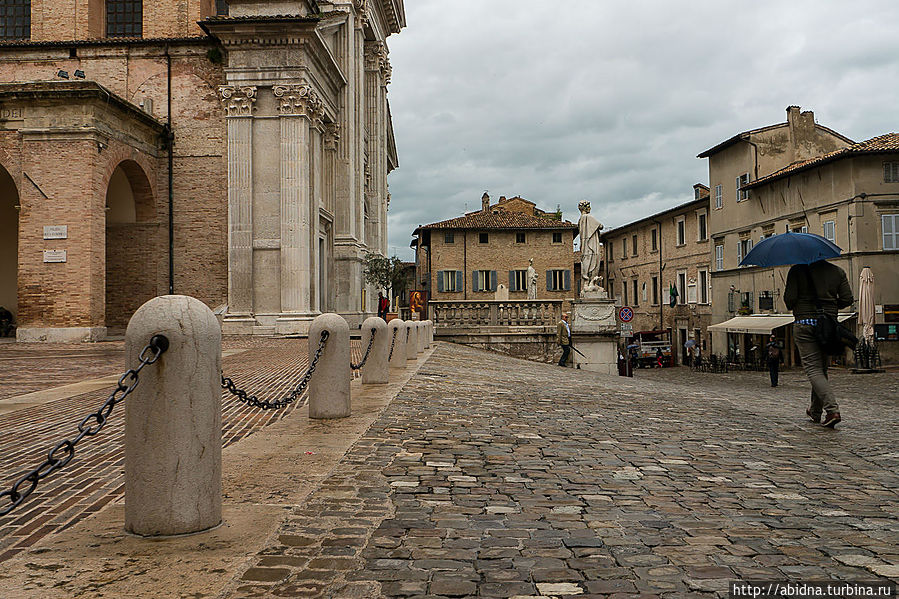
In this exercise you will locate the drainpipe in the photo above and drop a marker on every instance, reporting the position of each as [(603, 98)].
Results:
[(465, 264), (170, 142), (661, 302)]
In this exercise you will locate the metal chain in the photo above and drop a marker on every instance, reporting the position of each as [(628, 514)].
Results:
[(392, 343), (63, 452), (367, 351), (255, 402)]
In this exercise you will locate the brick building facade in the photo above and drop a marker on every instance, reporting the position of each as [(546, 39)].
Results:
[(646, 258), (267, 134), (469, 257)]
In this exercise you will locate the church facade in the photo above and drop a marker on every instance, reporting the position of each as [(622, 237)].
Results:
[(234, 152)]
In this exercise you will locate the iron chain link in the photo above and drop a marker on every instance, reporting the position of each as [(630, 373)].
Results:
[(63, 452), (392, 343), (255, 402), (367, 351)]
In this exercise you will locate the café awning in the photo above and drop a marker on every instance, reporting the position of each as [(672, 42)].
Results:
[(761, 324)]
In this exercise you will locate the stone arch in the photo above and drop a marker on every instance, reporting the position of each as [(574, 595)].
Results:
[(9, 242), (131, 229)]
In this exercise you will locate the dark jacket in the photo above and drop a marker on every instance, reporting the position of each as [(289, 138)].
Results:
[(823, 279)]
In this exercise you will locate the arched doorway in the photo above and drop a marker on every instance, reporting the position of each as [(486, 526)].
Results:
[(9, 243), (131, 257)]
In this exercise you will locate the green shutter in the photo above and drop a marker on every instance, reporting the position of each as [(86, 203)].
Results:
[(459, 281), (567, 280), (549, 280), (493, 281), (440, 281), (474, 280), (512, 281)]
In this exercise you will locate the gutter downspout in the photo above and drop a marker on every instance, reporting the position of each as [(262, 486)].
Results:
[(661, 303), (465, 264), (170, 142)]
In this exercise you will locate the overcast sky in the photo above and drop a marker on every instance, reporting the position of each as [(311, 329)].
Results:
[(611, 101)]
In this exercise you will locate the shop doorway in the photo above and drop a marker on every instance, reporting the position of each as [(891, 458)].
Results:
[(9, 243)]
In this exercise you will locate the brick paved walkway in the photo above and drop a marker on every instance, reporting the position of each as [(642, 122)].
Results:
[(267, 367), (494, 477)]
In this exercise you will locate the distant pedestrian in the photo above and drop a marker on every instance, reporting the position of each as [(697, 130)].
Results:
[(819, 286), (660, 358), (564, 338), (383, 305), (775, 357)]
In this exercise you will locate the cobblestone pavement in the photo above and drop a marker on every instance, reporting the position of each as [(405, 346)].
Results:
[(494, 477), (268, 368)]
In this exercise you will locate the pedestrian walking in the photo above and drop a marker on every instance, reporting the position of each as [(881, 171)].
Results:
[(564, 338), (775, 357), (660, 357), (383, 305), (814, 290)]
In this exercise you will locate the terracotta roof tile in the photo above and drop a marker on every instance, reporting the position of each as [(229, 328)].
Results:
[(500, 219), (888, 142)]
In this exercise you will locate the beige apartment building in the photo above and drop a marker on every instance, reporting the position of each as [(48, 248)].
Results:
[(471, 256), (646, 258), (799, 176), (234, 151)]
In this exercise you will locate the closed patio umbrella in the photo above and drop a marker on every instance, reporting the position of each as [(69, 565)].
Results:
[(866, 303)]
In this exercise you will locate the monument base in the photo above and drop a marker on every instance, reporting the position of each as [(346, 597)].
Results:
[(594, 333)]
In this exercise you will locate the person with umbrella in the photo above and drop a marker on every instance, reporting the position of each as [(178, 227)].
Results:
[(814, 287)]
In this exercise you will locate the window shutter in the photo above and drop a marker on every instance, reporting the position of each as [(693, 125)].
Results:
[(512, 281), (567, 280), (549, 280), (493, 280), (474, 280), (440, 281), (459, 280)]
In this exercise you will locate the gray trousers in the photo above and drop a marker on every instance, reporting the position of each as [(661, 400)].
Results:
[(814, 363)]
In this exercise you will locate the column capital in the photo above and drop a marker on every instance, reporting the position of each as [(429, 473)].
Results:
[(300, 100), (361, 7), (332, 136), (237, 100)]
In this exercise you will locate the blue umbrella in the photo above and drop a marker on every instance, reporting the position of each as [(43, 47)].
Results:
[(791, 248)]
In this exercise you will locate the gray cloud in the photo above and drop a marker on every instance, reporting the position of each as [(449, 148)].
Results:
[(612, 101)]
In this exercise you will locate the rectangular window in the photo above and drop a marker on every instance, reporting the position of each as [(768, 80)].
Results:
[(624, 292), (221, 8), (702, 232), (124, 18), (15, 19), (655, 291), (654, 240), (624, 248), (634, 245), (483, 238), (719, 257), (636, 294), (558, 279), (682, 288), (520, 238), (681, 231), (449, 281), (557, 237), (829, 231), (741, 181), (483, 280), (719, 200), (743, 248), (449, 238), (891, 172), (518, 280), (703, 276), (890, 224)]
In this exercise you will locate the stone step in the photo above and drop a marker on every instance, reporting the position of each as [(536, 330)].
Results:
[(264, 330)]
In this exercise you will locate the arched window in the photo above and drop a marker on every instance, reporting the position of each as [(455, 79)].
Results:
[(15, 19), (124, 18)]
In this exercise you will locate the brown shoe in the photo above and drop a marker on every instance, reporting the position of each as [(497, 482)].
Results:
[(814, 418), (831, 420)]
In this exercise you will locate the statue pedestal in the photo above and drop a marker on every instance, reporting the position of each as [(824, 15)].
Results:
[(594, 332)]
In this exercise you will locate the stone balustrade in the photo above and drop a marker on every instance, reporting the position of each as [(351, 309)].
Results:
[(464, 314)]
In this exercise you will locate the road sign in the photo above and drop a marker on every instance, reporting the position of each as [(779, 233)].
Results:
[(626, 329), (625, 314)]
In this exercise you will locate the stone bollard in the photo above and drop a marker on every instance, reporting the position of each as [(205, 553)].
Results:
[(432, 328), (422, 336), (329, 387), (398, 359), (427, 334), (375, 370), (173, 421), (411, 341)]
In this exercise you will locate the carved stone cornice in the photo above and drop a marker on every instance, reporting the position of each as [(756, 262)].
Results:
[(300, 100), (332, 136), (237, 100)]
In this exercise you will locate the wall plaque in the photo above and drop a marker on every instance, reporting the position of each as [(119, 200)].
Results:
[(11, 114), (56, 231), (54, 255)]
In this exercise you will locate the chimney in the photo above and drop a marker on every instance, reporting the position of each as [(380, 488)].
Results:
[(801, 126), (485, 202)]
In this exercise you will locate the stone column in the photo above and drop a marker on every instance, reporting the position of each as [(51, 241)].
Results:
[(298, 106), (238, 105)]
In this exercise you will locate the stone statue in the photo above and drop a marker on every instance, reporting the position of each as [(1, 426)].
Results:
[(532, 280), (591, 248)]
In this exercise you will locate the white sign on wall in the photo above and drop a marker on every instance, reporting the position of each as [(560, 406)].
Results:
[(54, 255), (56, 231)]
